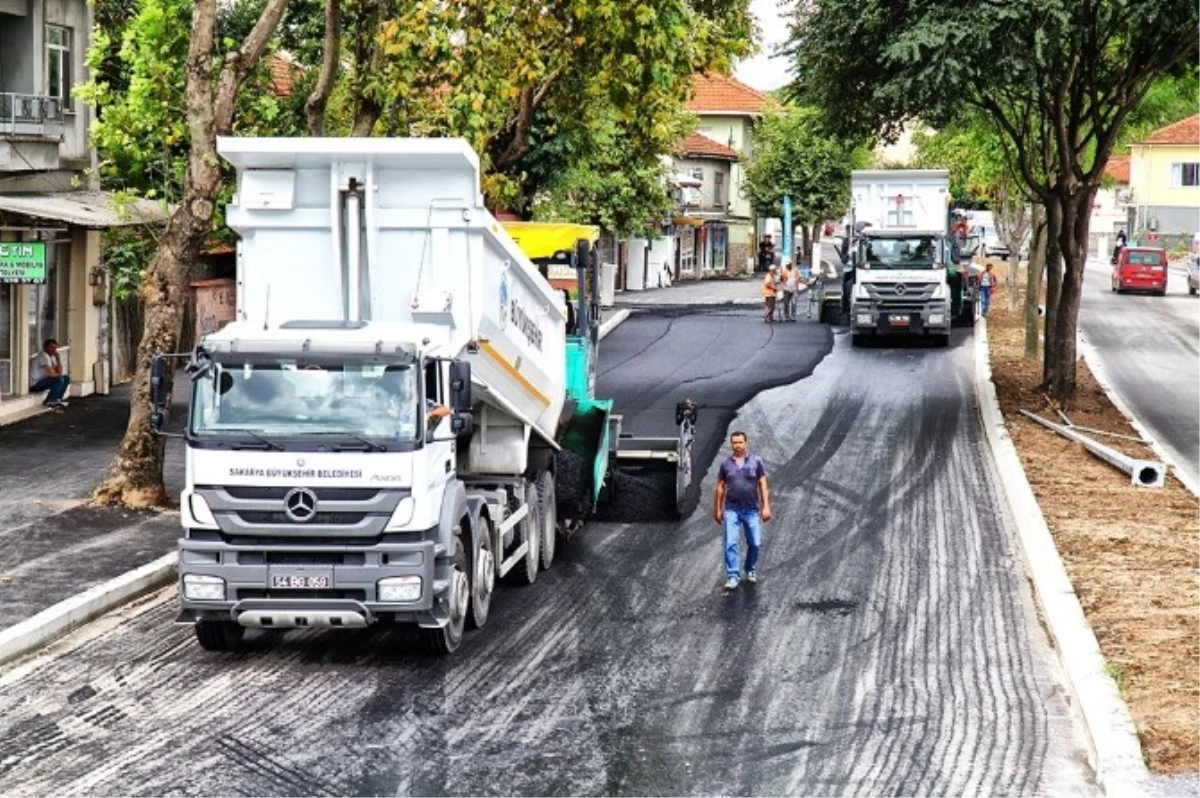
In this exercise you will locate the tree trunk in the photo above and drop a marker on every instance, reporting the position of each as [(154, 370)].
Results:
[(1033, 281), (314, 106), (1053, 285), (135, 475), (1074, 236), (1013, 280), (805, 246)]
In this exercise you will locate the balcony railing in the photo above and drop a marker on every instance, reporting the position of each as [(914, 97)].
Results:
[(30, 115)]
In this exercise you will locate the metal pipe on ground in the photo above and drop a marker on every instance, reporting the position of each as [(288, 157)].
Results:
[(1142, 473)]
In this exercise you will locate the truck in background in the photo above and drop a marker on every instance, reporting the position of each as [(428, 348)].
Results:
[(903, 274), (378, 435)]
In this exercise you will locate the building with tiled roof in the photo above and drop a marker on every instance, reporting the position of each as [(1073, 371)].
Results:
[(1117, 168), (714, 226), (696, 145), (1164, 182), (723, 96)]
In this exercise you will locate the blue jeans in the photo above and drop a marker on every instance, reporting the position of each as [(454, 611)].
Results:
[(57, 386), (737, 521), (985, 298)]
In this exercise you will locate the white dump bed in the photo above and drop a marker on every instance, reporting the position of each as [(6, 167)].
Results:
[(393, 232), (901, 199)]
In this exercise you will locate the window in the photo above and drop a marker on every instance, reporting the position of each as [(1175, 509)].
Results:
[(698, 174), (1185, 175), (58, 64), (719, 189)]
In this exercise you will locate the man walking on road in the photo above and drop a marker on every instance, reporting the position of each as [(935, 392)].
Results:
[(987, 281), (791, 283), (741, 494)]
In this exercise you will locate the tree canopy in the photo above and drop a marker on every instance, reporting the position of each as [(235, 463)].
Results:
[(1058, 79), (795, 155)]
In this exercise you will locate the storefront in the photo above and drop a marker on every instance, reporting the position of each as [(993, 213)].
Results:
[(52, 285)]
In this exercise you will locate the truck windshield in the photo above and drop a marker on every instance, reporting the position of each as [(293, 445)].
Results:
[(281, 398), (913, 252)]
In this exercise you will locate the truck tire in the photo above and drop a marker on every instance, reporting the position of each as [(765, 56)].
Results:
[(446, 639), (529, 529), (219, 635), (547, 517), (941, 341), (483, 577), (857, 339)]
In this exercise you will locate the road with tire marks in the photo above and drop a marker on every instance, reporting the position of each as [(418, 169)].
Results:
[(890, 648)]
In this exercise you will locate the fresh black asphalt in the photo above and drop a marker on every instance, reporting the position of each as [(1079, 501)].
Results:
[(891, 647)]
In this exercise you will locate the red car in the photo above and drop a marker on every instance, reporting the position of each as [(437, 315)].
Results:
[(1140, 269)]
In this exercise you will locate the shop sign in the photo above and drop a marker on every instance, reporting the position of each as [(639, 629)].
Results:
[(22, 262)]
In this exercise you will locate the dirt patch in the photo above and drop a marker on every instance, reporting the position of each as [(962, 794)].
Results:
[(1132, 553)]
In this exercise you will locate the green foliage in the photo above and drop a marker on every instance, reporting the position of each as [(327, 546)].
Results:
[(796, 156), (603, 184), (973, 151), (138, 89)]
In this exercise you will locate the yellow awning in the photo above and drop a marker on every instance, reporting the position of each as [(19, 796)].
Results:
[(687, 221), (542, 240)]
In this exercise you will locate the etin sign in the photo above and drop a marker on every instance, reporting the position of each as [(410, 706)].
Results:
[(22, 262)]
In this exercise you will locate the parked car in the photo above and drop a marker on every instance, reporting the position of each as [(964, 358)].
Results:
[(1140, 269)]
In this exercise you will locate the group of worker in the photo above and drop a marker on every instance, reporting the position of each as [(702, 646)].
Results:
[(780, 288)]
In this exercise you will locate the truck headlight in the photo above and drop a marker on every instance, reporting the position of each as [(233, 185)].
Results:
[(862, 318), (860, 291), (939, 291), (397, 589), (937, 318), (402, 515), (201, 513), (201, 587)]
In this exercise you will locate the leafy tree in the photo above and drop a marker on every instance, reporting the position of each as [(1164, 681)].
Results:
[(212, 84), (795, 155), (1058, 78), (604, 186)]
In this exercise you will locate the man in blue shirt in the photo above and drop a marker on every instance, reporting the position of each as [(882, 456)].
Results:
[(743, 504)]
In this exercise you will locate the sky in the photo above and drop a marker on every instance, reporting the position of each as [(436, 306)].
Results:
[(763, 72)]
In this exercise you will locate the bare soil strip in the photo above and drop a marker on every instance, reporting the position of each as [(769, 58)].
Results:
[(1133, 554)]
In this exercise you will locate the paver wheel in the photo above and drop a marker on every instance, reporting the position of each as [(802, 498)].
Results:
[(447, 639), (219, 635)]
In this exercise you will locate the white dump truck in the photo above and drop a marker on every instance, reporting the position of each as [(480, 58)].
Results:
[(376, 436), (901, 256)]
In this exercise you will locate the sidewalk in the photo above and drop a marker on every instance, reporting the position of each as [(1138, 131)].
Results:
[(53, 546)]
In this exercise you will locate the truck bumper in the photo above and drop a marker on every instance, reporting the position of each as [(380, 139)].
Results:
[(872, 319), (305, 585)]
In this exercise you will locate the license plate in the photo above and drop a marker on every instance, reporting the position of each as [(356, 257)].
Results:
[(898, 320), (292, 582)]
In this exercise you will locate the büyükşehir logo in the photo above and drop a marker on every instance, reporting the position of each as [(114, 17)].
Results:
[(503, 302)]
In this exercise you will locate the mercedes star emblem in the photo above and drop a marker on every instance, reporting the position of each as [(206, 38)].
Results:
[(300, 505), (901, 288)]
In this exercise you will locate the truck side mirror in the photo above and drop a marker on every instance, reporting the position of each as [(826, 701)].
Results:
[(160, 383), (460, 387)]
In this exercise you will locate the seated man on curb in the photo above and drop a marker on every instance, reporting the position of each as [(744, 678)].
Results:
[(46, 374)]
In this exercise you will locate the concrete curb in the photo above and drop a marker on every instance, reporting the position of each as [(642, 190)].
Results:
[(612, 323), (1114, 748), (74, 612), (1092, 359)]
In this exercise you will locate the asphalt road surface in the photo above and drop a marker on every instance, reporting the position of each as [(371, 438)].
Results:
[(1149, 348), (890, 648)]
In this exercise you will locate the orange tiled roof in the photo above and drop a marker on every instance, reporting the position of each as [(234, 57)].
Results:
[(283, 71), (700, 146), (714, 93), (1185, 131), (1118, 168)]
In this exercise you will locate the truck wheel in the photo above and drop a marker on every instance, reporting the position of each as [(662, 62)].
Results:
[(483, 579), (529, 530), (547, 517), (446, 639), (219, 635), (857, 339), (1193, 290), (942, 341)]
